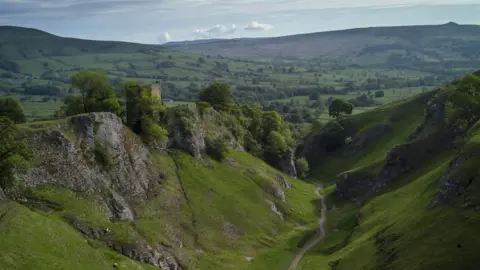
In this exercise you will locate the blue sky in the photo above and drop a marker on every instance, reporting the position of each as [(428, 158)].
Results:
[(158, 21)]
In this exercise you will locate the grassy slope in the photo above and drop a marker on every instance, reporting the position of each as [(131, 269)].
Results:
[(36, 240), (402, 117), (217, 196), (398, 229)]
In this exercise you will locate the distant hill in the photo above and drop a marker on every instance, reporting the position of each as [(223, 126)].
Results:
[(445, 42), (18, 43)]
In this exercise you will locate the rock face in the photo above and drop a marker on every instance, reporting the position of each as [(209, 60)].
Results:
[(96, 154), (70, 159), (287, 164), (140, 251), (461, 184)]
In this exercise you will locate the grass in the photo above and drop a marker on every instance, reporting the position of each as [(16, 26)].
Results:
[(36, 240), (402, 117)]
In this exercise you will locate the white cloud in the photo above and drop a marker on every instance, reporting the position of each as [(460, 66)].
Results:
[(256, 26), (218, 30), (166, 37)]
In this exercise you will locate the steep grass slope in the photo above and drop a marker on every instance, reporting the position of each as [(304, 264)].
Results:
[(147, 209), (408, 201)]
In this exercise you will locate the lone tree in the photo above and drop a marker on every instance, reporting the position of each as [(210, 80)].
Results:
[(11, 109), (339, 107), (219, 95)]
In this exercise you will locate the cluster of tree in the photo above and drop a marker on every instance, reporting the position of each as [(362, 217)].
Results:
[(95, 95), (263, 133)]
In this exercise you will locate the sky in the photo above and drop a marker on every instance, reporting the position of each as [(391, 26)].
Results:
[(160, 21)]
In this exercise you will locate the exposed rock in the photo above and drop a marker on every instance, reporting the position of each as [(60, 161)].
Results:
[(232, 163), (282, 181), (274, 208), (275, 191), (414, 154), (69, 159), (231, 231), (461, 184), (139, 251), (287, 164)]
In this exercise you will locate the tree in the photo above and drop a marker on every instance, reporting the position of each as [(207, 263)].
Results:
[(218, 95), (301, 165), (14, 154), (11, 109), (339, 107), (276, 143), (96, 94)]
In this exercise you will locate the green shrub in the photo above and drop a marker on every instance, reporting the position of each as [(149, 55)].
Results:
[(276, 143), (301, 165), (202, 107), (216, 148)]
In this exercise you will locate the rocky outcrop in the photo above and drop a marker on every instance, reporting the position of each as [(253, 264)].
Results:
[(461, 183), (287, 164), (282, 181), (140, 251), (276, 191), (96, 154), (69, 157)]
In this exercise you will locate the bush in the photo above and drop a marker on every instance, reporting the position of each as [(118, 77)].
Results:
[(301, 165), (202, 106), (216, 148), (276, 143)]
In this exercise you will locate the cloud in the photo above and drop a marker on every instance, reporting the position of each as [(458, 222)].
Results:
[(256, 26), (218, 30), (166, 37)]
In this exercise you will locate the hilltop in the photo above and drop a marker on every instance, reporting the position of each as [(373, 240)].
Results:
[(436, 43)]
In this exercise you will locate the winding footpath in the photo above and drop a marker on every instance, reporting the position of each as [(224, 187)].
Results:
[(318, 235)]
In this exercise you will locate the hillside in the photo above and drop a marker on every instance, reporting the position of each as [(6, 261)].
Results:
[(435, 43), (36, 67), (406, 187), (96, 195)]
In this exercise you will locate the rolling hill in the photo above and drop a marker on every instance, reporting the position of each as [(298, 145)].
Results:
[(400, 61), (437, 43)]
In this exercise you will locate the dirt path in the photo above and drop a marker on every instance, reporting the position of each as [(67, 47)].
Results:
[(318, 235)]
